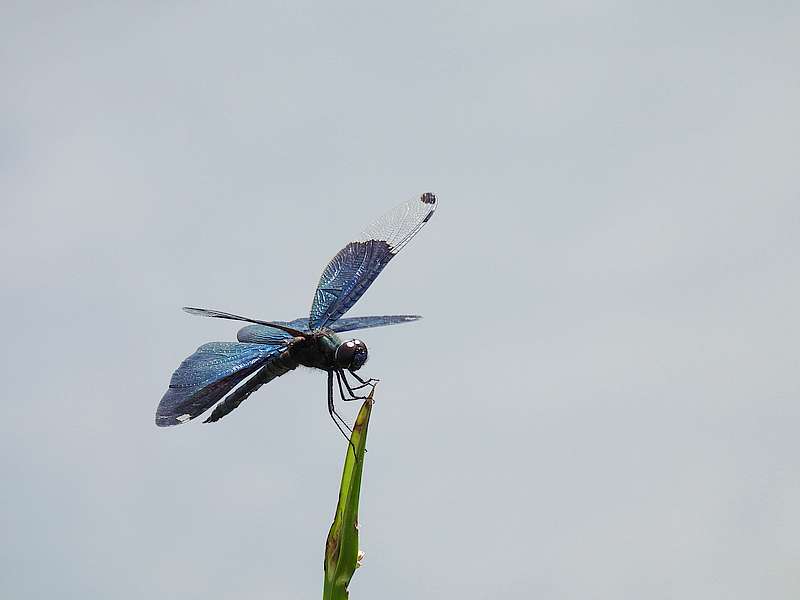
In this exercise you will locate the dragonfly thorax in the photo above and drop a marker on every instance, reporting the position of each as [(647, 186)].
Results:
[(325, 350), (351, 355)]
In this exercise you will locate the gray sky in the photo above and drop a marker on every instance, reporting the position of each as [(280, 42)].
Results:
[(602, 401)]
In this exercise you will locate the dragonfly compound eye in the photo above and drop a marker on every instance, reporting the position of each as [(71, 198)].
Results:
[(351, 355)]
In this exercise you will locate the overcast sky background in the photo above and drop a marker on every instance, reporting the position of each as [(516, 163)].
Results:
[(602, 399)]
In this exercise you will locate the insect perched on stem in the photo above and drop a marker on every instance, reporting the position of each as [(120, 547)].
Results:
[(268, 349)]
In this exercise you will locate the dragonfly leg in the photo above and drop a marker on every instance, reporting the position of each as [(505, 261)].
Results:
[(369, 381), (340, 376), (346, 397), (336, 416)]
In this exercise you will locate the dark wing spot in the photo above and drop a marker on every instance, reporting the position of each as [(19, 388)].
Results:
[(428, 198)]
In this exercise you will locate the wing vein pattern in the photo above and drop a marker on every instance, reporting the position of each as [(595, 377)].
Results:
[(348, 275), (206, 376)]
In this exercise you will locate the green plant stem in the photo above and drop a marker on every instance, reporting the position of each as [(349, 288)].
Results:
[(341, 547)]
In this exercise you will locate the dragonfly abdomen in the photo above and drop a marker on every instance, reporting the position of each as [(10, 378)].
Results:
[(280, 365)]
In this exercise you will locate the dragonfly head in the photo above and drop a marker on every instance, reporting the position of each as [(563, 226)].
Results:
[(351, 355)]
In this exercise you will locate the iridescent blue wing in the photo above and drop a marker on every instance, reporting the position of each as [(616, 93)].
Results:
[(275, 366), (263, 334), (355, 267), (218, 314), (353, 323), (207, 375)]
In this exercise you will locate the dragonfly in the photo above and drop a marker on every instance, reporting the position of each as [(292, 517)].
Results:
[(225, 374)]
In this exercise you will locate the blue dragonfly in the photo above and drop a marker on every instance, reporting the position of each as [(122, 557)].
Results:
[(268, 349)]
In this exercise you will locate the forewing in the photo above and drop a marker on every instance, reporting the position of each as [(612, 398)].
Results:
[(207, 375), (263, 334), (348, 275), (353, 323), (218, 314)]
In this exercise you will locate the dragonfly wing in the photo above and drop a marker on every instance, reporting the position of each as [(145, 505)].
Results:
[(275, 367), (348, 275), (207, 375), (346, 278), (264, 334), (218, 314), (353, 323)]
